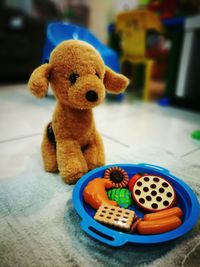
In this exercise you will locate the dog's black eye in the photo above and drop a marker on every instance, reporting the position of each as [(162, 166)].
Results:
[(97, 74), (73, 77)]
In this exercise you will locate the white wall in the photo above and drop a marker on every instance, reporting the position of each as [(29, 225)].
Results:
[(102, 12)]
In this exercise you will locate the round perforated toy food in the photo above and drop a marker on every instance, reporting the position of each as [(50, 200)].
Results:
[(118, 176), (151, 192)]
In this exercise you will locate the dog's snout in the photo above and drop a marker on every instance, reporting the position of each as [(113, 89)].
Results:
[(91, 96)]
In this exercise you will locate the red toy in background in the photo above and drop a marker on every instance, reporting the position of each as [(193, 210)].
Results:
[(165, 8)]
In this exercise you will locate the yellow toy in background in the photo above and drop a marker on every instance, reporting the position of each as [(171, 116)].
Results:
[(133, 27), (79, 78)]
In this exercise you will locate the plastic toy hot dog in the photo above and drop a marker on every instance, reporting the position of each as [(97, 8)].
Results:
[(158, 226), (95, 193), (175, 211)]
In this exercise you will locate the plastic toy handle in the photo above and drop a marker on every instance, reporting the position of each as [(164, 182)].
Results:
[(155, 167), (112, 240)]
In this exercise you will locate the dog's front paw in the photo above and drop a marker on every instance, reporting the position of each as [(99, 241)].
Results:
[(73, 178), (95, 165), (72, 168), (95, 160)]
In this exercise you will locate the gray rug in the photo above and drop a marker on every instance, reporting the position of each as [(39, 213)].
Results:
[(39, 226)]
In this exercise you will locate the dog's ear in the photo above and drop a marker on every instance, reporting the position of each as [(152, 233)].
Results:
[(115, 83), (39, 81)]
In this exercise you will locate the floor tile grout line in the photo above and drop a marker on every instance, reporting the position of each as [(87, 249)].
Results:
[(19, 138), (37, 134), (116, 119), (104, 135), (190, 152), (114, 140)]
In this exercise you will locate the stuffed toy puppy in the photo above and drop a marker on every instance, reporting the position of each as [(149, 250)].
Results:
[(78, 78)]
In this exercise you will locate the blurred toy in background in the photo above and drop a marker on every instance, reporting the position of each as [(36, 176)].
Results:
[(196, 135), (132, 27), (143, 46), (78, 78), (166, 9), (149, 41), (158, 47)]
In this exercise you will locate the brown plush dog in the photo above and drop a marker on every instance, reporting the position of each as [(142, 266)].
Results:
[(78, 77)]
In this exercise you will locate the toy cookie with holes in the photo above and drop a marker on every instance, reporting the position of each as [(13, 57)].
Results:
[(135, 201), (152, 193)]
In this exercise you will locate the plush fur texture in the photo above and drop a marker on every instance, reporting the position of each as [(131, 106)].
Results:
[(78, 78)]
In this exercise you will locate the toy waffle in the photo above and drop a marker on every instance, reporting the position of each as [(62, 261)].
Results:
[(152, 193), (115, 217), (186, 199)]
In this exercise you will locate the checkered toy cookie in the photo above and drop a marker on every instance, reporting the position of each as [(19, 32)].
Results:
[(115, 217), (151, 192)]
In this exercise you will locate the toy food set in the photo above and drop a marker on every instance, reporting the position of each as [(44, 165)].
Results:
[(134, 203)]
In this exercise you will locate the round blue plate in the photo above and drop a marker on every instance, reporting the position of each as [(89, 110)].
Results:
[(187, 201)]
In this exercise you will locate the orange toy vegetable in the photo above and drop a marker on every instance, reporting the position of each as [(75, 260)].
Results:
[(95, 193), (175, 211), (158, 226)]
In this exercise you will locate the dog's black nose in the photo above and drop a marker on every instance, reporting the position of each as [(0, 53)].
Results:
[(91, 96)]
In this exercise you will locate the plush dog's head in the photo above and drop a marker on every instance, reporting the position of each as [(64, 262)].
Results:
[(77, 75)]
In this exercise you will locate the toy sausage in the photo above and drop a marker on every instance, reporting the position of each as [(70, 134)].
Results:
[(175, 211), (95, 193), (158, 226), (135, 223)]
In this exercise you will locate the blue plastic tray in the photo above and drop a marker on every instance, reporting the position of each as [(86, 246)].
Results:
[(187, 201)]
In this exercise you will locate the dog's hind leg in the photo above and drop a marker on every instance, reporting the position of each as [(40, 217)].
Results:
[(49, 150)]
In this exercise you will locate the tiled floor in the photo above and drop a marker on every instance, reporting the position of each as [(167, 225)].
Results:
[(122, 125)]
